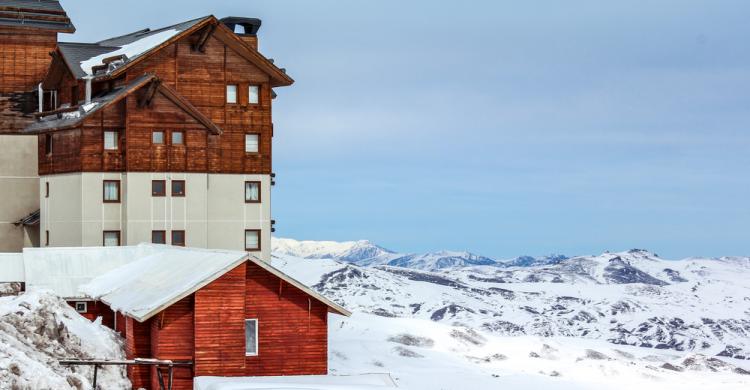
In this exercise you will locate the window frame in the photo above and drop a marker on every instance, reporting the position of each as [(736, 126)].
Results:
[(171, 138), (104, 237), (258, 249), (85, 307), (172, 242), (171, 188), (257, 326), (260, 186), (249, 102), (104, 191), (236, 93), (117, 140), (164, 234), (257, 151), (163, 193), (163, 137)]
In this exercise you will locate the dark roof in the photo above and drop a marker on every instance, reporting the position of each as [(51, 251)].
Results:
[(35, 14), (75, 53), (29, 220)]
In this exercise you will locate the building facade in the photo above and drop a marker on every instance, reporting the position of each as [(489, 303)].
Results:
[(159, 136)]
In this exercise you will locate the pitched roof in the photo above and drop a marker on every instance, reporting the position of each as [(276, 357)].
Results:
[(73, 118), (86, 59), (35, 14), (147, 286)]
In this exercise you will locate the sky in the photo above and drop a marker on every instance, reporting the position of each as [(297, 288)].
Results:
[(499, 127)]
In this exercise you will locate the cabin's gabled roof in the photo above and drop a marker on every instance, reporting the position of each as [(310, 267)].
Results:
[(46, 15), (145, 287), (88, 59), (73, 117)]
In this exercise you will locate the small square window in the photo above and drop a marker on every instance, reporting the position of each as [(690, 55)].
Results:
[(252, 192), (82, 307), (158, 237), (251, 337), (232, 93), (178, 187), (178, 237), (252, 240), (177, 138), (112, 238), (253, 94), (111, 191), (157, 137), (158, 188), (251, 143), (110, 140)]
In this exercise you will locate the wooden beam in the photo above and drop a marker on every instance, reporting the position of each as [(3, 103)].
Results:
[(148, 97), (200, 45)]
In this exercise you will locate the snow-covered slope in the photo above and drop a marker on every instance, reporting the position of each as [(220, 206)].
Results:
[(361, 252), (440, 260), (37, 329), (650, 318)]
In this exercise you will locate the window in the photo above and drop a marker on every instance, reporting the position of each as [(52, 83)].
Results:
[(111, 191), (251, 337), (48, 144), (251, 143), (110, 140), (158, 188), (81, 307), (177, 138), (232, 93), (253, 94), (111, 238), (178, 237), (178, 187), (157, 138), (46, 189), (252, 240), (252, 192), (158, 237)]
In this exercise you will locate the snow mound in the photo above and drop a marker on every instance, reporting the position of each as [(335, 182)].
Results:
[(37, 329)]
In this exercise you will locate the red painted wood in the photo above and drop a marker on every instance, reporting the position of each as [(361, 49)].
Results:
[(95, 310)]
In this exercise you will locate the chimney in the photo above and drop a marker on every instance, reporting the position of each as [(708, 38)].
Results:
[(245, 28)]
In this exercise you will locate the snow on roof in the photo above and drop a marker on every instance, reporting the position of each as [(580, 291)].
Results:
[(131, 50), (143, 288), (11, 267), (62, 270), (307, 382)]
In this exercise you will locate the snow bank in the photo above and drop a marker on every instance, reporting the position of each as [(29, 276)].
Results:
[(37, 329), (309, 382)]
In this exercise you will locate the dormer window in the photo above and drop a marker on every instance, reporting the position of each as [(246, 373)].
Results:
[(232, 93), (110, 140), (253, 94), (251, 143)]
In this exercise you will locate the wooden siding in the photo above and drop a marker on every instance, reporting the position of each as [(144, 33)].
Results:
[(220, 326), (292, 327), (172, 339), (138, 345), (97, 309)]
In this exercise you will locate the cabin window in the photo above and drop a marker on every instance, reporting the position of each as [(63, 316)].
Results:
[(232, 93), (158, 237), (251, 143), (252, 240), (178, 187), (111, 238), (251, 337), (178, 237), (110, 140), (158, 188), (48, 144), (253, 94), (252, 192), (177, 138), (82, 307), (157, 138), (111, 191)]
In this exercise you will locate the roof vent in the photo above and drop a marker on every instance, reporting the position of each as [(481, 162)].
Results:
[(245, 28)]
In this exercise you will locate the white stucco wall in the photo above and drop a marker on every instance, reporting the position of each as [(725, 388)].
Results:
[(19, 185)]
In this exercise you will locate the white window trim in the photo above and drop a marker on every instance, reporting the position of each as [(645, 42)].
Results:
[(116, 134), (257, 94), (257, 323), (85, 307), (257, 143), (236, 93)]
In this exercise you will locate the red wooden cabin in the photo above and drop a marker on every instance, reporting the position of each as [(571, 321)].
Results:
[(226, 312)]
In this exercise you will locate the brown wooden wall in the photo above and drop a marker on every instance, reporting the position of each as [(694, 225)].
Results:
[(292, 327), (172, 339), (24, 60), (220, 326), (138, 345)]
